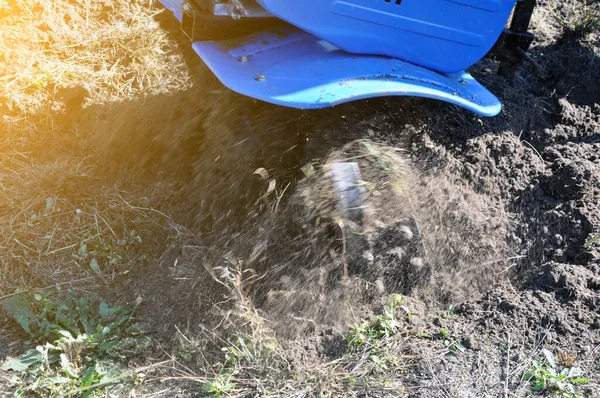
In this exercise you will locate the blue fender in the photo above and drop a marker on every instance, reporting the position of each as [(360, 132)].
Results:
[(293, 68)]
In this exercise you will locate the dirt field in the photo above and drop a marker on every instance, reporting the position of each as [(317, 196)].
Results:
[(131, 176)]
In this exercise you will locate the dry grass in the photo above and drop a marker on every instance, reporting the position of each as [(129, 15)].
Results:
[(64, 222), (114, 49), (60, 54), (581, 17), (48, 236), (243, 357), (57, 57)]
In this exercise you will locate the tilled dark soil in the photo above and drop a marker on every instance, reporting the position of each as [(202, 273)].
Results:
[(509, 209)]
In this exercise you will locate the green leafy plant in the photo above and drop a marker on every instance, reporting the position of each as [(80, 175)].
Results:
[(79, 341), (370, 333), (372, 337), (221, 385), (548, 376), (451, 309), (97, 251), (244, 357), (451, 341)]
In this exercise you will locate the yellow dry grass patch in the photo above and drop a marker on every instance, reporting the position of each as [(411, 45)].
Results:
[(92, 51), (114, 49), (58, 57)]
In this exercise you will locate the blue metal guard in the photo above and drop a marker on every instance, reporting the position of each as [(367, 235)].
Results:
[(175, 6), (292, 68)]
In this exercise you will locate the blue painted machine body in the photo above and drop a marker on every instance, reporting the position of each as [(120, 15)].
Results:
[(335, 51), (175, 6), (442, 35)]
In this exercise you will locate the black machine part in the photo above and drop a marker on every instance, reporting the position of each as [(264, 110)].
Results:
[(511, 48), (207, 20)]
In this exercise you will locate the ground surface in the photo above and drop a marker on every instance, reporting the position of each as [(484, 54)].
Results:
[(116, 136)]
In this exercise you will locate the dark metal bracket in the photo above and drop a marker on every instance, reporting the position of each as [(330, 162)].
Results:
[(511, 48), (199, 23)]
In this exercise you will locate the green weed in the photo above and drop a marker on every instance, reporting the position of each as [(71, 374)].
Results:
[(591, 241), (79, 342), (451, 341), (546, 376), (579, 21), (588, 21), (371, 337), (245, 358), (221, 385), (370, 333)]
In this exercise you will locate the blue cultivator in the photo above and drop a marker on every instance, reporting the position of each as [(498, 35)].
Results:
[(318, 53)]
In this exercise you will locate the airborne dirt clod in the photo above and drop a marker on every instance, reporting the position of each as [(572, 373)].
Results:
[(214, 219)]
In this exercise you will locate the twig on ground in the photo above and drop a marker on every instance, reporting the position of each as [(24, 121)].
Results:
[(507, 370), (46, 287)]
